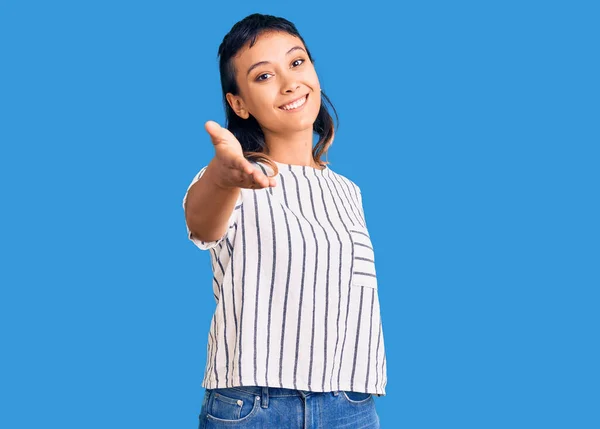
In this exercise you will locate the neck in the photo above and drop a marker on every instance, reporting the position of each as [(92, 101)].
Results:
[(291, 148)]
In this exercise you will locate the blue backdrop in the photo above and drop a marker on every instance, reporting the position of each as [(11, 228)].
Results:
[(471, 127)]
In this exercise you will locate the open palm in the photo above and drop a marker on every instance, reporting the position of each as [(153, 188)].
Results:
[(234, 170)]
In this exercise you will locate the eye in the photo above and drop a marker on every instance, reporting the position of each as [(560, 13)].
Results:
[(261, 78), (261, 75)]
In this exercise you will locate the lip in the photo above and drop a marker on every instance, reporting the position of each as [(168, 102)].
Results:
[(293, 101)]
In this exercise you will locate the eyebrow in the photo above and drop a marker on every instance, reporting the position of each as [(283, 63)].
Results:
[(261, 63)]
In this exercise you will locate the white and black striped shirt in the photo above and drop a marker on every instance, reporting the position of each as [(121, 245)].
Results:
[(295, 288)]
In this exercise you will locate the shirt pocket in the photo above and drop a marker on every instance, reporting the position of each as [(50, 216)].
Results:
[(363, 272)]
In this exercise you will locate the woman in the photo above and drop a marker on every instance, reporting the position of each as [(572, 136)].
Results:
[(296, 339)]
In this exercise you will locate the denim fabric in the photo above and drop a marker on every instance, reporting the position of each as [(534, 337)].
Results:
[(275, 408)]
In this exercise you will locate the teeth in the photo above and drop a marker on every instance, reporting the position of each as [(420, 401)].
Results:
[(294, 105)]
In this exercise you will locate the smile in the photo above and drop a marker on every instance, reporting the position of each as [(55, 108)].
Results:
[(295, 105)]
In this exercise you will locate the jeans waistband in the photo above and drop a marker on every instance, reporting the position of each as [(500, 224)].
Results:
[(265, 392), (277, 391)]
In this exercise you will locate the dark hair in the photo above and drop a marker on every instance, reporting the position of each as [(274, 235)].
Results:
[(248, 131)]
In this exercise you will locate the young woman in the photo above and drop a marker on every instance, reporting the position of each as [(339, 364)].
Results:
[(296, 339)]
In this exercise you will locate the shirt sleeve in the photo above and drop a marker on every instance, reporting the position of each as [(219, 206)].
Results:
[(231, 224), (360, 204)]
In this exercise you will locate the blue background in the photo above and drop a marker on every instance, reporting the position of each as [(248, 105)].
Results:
[(471, 127)]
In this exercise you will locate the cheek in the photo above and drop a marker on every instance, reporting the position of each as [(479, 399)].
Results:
[(260, 108), (316, 96)]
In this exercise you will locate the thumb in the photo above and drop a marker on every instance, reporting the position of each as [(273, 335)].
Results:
[(217, 133), (214, 129)]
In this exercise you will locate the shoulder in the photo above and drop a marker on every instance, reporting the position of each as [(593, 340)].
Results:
[(346, 181)]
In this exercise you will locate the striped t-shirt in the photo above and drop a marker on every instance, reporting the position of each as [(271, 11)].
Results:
[(295, 288)]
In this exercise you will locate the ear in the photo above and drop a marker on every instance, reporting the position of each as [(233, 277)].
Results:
[(238, 105)]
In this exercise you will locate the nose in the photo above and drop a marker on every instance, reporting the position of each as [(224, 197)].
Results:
[(290, 84)]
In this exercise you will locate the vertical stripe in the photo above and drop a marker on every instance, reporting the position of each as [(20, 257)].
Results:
[(370, 336), (222, 301), (348, 199), (209, 352), (301, 282), (339, 265), (377, 355), (312, 339), (274, 266), (355, 200), (235, 320), (342, 200), (349, 234), (258, 282), (358, 326), (243, 223), (287, 284)]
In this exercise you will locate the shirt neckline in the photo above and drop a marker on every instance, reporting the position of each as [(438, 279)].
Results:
[(298, 168)]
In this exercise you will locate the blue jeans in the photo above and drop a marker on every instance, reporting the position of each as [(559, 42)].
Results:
[(274, 408)]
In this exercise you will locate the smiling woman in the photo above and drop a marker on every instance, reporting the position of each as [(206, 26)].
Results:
[(275, 73), (296, 331)]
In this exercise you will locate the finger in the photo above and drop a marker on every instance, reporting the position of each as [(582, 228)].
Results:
[(217, 133), (211, 126), (269, 181), (245, 166), (261, 179), (251, 184)]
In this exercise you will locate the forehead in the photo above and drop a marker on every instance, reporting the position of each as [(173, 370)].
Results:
[(270, 46)]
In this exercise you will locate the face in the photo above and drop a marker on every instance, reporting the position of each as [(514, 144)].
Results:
[(276, 71)]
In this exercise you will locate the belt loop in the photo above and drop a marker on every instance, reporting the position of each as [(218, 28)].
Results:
[(265, 397)]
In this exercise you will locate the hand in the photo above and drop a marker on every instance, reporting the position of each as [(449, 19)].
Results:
[(232, 169)]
